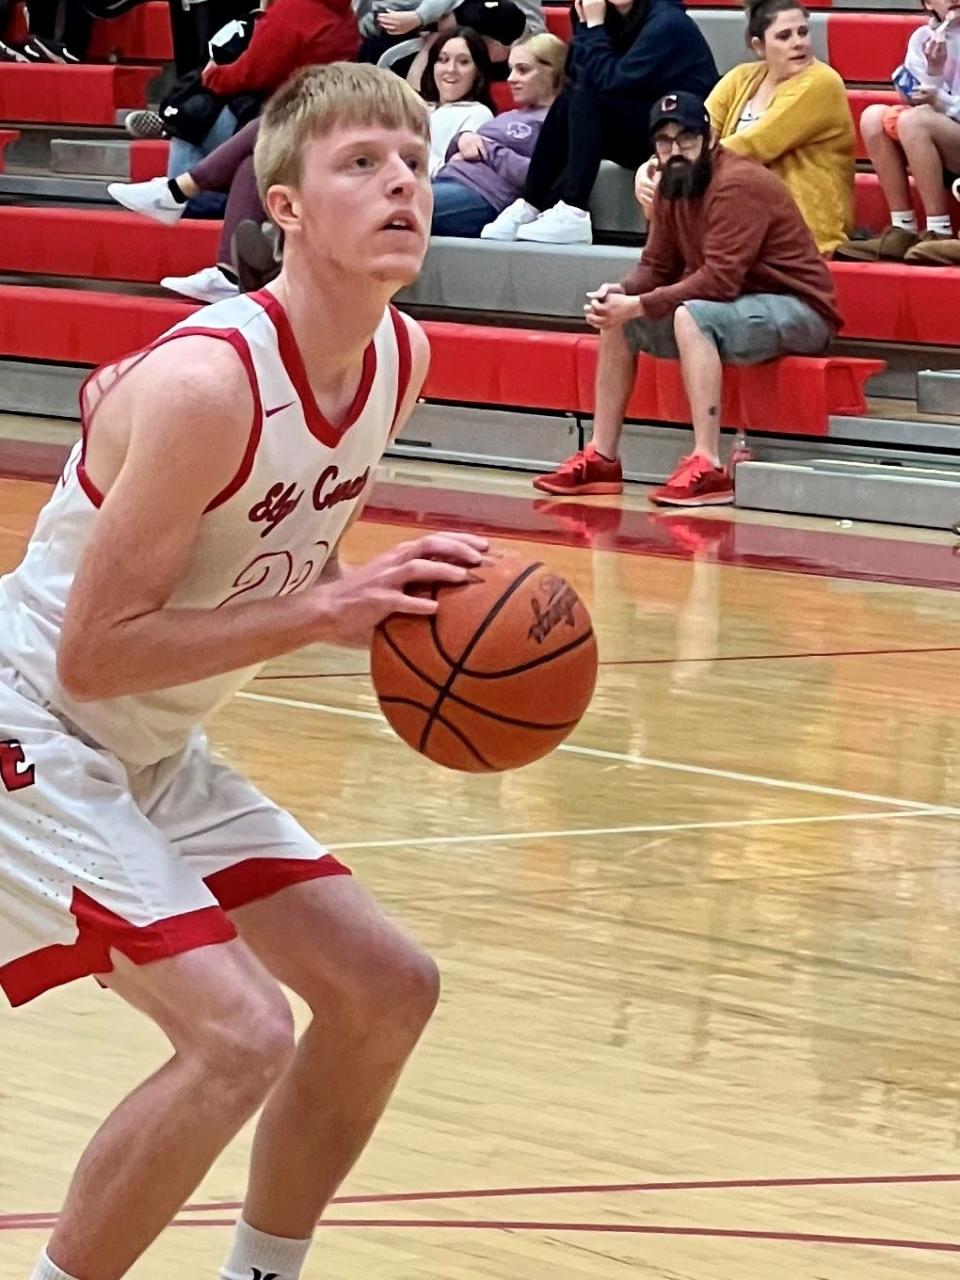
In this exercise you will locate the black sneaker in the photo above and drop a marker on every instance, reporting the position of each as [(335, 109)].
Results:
[(40, 49), (10, 53), (144, 124), (254, 256)]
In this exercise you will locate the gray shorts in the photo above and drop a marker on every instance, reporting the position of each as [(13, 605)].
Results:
[(754, 328)]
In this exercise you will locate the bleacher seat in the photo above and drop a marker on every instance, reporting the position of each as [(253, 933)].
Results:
[(76, 95)]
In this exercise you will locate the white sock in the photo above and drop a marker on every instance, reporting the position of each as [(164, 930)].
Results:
[(941, 224), (47, 1270), (905, 219), (255, 1256)]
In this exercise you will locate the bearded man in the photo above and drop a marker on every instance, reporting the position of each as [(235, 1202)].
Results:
[(730, 275)]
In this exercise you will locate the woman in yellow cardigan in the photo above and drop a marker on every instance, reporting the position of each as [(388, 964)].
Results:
[(790, 112)]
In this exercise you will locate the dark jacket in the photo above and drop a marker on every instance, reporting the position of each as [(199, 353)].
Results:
[(635, 69)]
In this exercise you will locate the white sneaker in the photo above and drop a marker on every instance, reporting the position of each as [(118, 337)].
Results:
[(563, 224), (152, 199), (506, 224), (208, 285)]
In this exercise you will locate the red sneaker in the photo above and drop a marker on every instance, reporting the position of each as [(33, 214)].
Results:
[(582, 474), (695, 483)]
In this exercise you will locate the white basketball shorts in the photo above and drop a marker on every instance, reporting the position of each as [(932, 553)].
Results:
[(95, 857)]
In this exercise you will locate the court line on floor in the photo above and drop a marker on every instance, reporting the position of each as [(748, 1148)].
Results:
[(675, 661), (594, 1228), (647, 829), (649, 762)]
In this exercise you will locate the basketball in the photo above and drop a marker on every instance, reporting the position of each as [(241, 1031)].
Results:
[(498, 676)]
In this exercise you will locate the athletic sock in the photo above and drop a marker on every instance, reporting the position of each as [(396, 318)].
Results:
[(254, 1256), (174, 188), (941, 224), (905, 219), (47, 1270)]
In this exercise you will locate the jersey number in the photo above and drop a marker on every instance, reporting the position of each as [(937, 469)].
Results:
[(15, 773)]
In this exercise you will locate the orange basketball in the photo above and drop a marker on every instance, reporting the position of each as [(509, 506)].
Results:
[(498, 676)]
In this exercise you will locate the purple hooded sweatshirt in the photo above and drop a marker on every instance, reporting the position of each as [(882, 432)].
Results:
[(510, 140)]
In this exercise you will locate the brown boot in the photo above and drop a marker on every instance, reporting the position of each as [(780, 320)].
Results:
[(934, 250), (892, 245)]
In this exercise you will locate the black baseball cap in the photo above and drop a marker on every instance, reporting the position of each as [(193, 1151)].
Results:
[(685, 109)]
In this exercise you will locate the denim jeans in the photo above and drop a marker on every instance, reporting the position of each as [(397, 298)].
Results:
[(458, 211), (184, 155)]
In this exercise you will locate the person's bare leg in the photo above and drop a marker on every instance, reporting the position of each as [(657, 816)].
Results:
[(888, 159), (232, 1033), (616, 374), (702, 381), (187, 185), (371, 991), (930, 141)]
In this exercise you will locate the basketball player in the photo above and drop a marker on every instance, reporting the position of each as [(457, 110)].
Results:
[(191, 538)]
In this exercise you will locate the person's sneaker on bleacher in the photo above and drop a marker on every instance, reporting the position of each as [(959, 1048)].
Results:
[(10, 53), (892, 245), (563, 224), (208, 285), (583, 474), (506, 224), (153, 199), (144, 124), (40, 49)]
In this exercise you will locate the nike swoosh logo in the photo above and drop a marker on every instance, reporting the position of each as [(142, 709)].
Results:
[(279, 408)]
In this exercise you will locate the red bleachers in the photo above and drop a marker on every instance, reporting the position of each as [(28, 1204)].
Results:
[(516, 367), (74, 95), (148, 160), (101, 244), (868, 47), (6, 137), (141, 35)]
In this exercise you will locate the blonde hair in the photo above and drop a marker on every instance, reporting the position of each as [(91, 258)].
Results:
[(317, 99), (550, 51)]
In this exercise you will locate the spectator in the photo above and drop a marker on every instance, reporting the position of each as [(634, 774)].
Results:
[(790, 112), (624, 56), (922, 136), (46, 42), (730, 275), (459, 73), (486, 170), (499, 22), (456, 84), (290, 35)]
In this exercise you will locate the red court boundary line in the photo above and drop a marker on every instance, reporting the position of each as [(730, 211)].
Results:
[(604, 1228), (599, 1188)]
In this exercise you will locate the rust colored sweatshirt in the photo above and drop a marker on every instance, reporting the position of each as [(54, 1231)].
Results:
[(744, 235)]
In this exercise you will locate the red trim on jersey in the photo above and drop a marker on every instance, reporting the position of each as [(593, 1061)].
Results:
[(239, 344), (292, 359), (256, 878), (98, 932), (401, 331)]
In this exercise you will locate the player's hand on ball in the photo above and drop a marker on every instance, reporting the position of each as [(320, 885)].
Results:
[(397, 582)]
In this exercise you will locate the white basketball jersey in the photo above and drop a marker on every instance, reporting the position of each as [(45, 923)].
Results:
[(268, 534)]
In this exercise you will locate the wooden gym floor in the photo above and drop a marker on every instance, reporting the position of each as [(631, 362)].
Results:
[(701, 992)]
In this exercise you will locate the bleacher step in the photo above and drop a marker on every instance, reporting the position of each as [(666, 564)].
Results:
[(927, 497), (902, 433), (938, 390), (55, 188), (105, 157)]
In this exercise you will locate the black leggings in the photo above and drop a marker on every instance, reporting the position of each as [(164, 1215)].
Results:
[(577, 134), (77, 23)]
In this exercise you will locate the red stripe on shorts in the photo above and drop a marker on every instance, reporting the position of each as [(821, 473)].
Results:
[(257, 878), (98, 932)]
